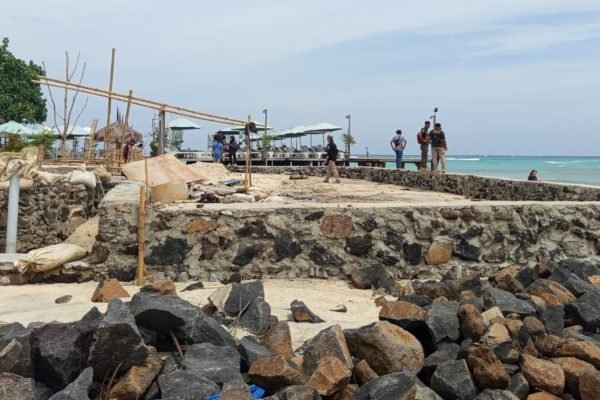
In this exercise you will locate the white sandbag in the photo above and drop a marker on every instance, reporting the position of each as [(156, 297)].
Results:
[(47, 258), (88, 179), (47, 178)]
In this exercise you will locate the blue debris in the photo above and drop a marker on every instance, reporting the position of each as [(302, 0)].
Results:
[(257, 393)]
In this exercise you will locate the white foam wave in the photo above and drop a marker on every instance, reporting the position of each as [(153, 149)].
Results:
[(462, 159)]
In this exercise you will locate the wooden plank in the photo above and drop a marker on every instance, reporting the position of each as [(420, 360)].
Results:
[(162, 169)]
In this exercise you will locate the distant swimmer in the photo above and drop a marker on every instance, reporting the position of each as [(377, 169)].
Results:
[(424, 139), (533, 176), (398, 144), (439, 147)]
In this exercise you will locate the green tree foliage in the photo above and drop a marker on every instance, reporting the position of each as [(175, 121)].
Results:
[(20, 99), (348, 140), (14, 143)]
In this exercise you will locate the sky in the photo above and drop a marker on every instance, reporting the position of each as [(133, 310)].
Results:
[(511, 77)]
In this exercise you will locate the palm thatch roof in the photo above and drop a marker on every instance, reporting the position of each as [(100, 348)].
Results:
[(118, 132)]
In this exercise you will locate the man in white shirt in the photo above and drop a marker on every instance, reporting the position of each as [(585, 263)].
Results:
[(398, 144)]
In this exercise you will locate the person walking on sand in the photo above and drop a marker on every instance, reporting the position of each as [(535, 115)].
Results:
[(217, 151), (332, 153), (439, 147), (232, 149), (398, 144), (424, 139)]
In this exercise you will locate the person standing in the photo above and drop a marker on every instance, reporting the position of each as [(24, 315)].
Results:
[(128, 150), (532, 175), (232, 149), (217, 151), (398, 144), (439, 147), (332, 153), (424, 139)]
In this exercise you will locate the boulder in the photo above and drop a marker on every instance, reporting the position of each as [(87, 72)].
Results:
[(543, 375), (346, 393), (552, 292), (11, 327), (241, 295), (137, 379), (507, 302), (439, 252), (78, 389), (386, 347), (275, 373), (278, 339), (297, 392), (425, 393), (203, 329), (372, 276), (573, 369), (15, 387), (329, 342), (445, 352), (472, 324), (118, 342), (491, 313), (17, 351), (164, 288), (589, 386), (542, 396), (396, 386), (251, 351), (108, 290), (257, 317), (236, 391), (161, 313), (60, 352), (193, 286), (302, 313), (220, 364), (330, 376), (519, 386), (452, 380), (403, 314), (586, 310), (488, 371), (9, 355), (364, 373), (583, 350), (553, 318), (442, 322), (185, 384), (496, 394)]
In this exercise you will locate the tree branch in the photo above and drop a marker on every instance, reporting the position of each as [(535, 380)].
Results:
[(51, 98)]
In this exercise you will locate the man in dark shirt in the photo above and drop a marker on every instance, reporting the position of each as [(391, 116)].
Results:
[(332, 152), (424, 139), (439, 147)]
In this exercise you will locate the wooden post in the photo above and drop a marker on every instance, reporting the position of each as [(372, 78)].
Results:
[(141, 235), (248, 174), (107, 135), (146, 179), (161, 132)]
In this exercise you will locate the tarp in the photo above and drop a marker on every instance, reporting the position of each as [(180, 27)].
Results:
[(162, 169)]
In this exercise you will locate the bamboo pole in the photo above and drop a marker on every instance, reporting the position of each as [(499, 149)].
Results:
[(146, 179), (123, 130), (107, 133), (141, 235)]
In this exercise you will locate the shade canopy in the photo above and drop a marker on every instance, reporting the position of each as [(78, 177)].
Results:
[(182, 123), (321, 127), (15, 128), (240, 128), (118, 130)]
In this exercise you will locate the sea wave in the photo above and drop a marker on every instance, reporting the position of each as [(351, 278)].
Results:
[(462, 159), (565, 162)]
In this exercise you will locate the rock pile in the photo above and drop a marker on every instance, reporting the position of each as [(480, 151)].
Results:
[(521, 334)]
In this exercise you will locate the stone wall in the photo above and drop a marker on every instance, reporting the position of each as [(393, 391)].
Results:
[(48, 215), (285, 241), (473, 187)]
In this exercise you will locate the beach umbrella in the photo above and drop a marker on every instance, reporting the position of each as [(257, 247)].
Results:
[(15, 128), (182, 124), (321, 128)]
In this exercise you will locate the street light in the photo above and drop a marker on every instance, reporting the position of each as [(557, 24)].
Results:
[(266, 112), (349, 135)]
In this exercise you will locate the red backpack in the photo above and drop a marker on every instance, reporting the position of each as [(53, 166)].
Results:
[(420, 138)]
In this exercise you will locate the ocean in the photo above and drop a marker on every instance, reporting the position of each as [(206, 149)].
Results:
[(580, 170)]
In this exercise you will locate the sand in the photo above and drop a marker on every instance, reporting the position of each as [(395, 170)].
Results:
[(29, 303)]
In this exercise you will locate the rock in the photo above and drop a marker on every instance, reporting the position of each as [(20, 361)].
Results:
[(403, 314), (330, 376), (542, 396), (372, 276), (396, 386), (161, 313), (301, 313), (164, 288), (78, 389), (329, 342), (583, 350), (491, 313), (241, 295), (472, 324), (15, 387), (239, 198), (386, 347), (499, 340), (203, 329), (236, 391), (346, 393), (60, 352), (9, 355), (439, 252), (9, 328), (553, 318), (445, 352), (168, 252), (466, 251), (108, 290), (274, 373), (431, 289), (586, 310), (322, 256), (286, 247), (573, 369), (453, 380), (442, 322), (220, 364), (137, 379), (278, 339), (118, 342), (246, 254), (251, 351), (543, 375), (495, 394), (256, 317), (185, 384), (364, 373), (552, 292), (359, 245), (297, 392), (339, 308), (15, 345), (425, 393), (519, 385), (487, 370), (413, 253), (507, 302), (336, 226), (63, 299), (589, 386), (193, 286)]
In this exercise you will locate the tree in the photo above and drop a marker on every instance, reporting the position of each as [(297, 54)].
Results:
[(348, 140), (20, 98)]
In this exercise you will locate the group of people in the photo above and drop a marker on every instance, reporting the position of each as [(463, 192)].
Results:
[(436, 138), (132, 151), (219, 148)]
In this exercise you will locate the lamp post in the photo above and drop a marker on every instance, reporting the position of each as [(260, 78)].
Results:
[(349, 117), (266, 112)]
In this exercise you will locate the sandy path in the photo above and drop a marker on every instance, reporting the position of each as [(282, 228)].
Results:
[(29, 303)]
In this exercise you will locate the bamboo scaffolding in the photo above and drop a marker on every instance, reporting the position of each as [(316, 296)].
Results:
[(89, 149), (107, 135), (141, 236)]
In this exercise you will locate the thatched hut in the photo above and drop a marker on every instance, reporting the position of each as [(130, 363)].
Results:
[(120, 133)]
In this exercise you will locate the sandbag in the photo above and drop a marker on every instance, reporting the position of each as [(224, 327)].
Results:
[(85, 178), (47, 258), (47, 178)]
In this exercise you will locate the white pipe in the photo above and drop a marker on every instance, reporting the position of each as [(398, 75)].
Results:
[(13, 214)]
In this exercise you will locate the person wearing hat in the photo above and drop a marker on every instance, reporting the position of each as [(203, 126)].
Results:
[(398, 144)]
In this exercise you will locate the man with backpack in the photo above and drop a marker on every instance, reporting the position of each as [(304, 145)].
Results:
[(424, 139), (439, 147), (398, 144)]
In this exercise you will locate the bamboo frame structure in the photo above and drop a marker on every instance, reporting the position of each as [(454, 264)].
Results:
[(141, 235)]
